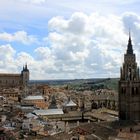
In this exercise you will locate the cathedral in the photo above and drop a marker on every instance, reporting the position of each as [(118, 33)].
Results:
[(129, 86), (21, 80)]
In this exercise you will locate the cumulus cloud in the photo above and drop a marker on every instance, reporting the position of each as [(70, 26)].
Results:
[(7, 54), (19, 36), (43, 53), (100, 41), (82, 46), (88, 41)]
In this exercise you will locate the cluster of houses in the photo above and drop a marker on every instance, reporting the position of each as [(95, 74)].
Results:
[(32, 115)]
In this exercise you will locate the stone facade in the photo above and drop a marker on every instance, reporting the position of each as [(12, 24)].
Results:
[(37, 100), (10, 94), (129, 87), (15, 80)]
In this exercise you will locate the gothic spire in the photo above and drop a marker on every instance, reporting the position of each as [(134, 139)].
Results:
[(26, 66), (129, 46)]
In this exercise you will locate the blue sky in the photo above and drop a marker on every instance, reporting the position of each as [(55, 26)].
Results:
[(61, 39)]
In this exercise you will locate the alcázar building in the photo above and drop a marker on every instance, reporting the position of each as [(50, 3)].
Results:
[(19, 80)]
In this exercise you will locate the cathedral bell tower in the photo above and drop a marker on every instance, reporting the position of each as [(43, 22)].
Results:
[(129, 86)]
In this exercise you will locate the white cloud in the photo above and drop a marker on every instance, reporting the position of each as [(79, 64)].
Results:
[(7, 54), (19, 36), (95, 48), (85, 40), (19, 14), (34, 1), (101, 40), (132, 21), (43, 53)]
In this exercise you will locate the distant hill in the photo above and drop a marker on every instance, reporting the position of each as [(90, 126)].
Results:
[(94, 84), (111, 83), (82, 84)]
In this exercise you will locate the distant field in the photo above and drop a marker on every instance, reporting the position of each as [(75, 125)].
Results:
[(82, 84)]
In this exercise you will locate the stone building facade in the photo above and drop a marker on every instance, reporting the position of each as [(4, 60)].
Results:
[(37, 100), (21, 80), (129, 87)]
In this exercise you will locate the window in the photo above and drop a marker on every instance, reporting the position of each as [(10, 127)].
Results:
[(123, 90), (134, 90)]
